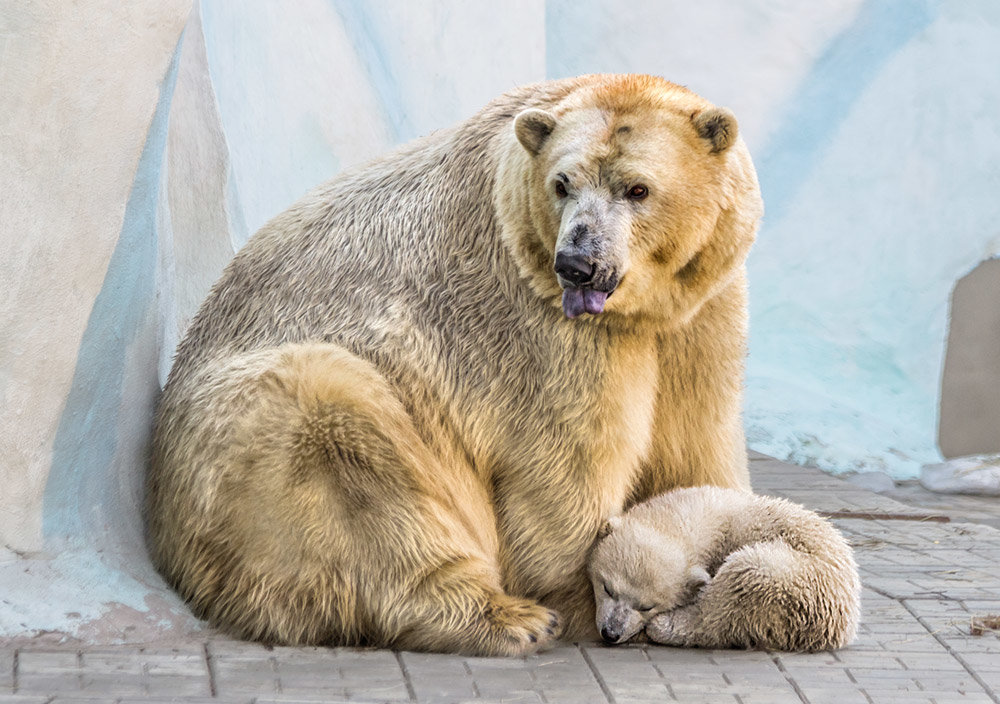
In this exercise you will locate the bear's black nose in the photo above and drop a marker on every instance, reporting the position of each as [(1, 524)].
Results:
[(609, 635), (576, 269)]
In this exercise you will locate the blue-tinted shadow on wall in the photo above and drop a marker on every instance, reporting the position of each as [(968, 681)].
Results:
[(85, 497), (375, 54), (829, 91)]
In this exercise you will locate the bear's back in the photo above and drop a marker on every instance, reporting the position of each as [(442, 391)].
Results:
[(411, 235)]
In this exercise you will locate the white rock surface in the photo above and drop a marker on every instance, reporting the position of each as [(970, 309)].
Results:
[(879, 482), (977, 474)]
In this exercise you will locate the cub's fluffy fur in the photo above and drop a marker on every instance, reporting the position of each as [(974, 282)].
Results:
[(718, 568), (393, 423)]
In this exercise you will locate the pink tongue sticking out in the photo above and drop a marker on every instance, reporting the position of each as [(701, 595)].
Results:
[(593, 301), (576, 301), (573, 302)]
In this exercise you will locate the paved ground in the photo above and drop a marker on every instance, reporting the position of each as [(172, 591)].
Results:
[(928, 574), (976, 509)]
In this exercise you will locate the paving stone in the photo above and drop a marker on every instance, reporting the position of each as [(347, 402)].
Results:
[(982, 663), (825, 694), (185, 700), (117, 685), (514, 695), (885, 660), (681, 657), (991, 678), (696, 698), (6, 671), (746, 680), (47, 661), (34, 683), (572, 694), (828, 674), (178, 686)]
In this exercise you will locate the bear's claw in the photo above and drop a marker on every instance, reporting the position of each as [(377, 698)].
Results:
[(525, 627)]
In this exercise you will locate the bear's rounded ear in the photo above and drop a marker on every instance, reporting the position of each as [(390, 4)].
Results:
[(609, 527), (533, 127), (717, 126)]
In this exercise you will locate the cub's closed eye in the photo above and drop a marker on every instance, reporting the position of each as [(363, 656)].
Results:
[(637, 192), (646, 608), (608, 591)]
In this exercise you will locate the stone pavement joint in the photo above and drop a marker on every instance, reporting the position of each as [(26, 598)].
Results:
[(790, 679), (210, 668), (406, 677), (597, 674), (924, 581)]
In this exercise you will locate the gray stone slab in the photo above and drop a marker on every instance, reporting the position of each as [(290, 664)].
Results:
[(47, 684), (818, 693), (32, 662), (7, 671)]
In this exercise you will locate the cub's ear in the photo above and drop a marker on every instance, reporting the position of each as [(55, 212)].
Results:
[(717, 126), (609, 527), (697, 578), (533, 127)]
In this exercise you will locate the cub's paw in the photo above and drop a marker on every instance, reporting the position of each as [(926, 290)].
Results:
[(521, 626), (671, 627)]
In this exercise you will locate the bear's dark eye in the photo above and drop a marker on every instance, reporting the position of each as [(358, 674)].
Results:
[(560, 189), (637, 192)]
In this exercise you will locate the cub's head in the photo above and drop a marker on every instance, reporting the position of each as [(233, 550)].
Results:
[(630, 196), (637, 573)]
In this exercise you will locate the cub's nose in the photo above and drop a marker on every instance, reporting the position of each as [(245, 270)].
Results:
[(576, 269), (610, 635)]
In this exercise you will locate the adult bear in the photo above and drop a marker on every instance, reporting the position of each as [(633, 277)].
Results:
[(413, 398)]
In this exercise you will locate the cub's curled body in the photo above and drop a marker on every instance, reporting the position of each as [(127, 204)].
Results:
[(404, 411), (718, 568)]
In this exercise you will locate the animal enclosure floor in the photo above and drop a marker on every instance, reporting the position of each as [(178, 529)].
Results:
[(931, 592)]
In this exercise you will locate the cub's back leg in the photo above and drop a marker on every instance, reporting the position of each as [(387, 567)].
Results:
[(768, 595), (292, 501)]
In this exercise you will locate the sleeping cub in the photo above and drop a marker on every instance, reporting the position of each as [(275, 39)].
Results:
[(721, 568)]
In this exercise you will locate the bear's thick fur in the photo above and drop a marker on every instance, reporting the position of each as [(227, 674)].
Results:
[(721, 568), (392, 423)]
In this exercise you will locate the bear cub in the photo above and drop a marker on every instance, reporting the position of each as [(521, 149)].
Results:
[(721, 568)]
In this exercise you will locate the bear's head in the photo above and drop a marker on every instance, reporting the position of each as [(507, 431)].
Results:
[(637, 573), (631, 195)]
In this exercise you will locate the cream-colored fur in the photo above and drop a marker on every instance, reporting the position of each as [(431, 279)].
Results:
[(718, 568), (382, 428)]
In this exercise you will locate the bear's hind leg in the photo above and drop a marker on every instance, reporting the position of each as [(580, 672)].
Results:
[(764, 595), (322, 516)]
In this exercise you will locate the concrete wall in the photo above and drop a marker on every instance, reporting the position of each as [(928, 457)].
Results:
[(970, 385), (144, 142)]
